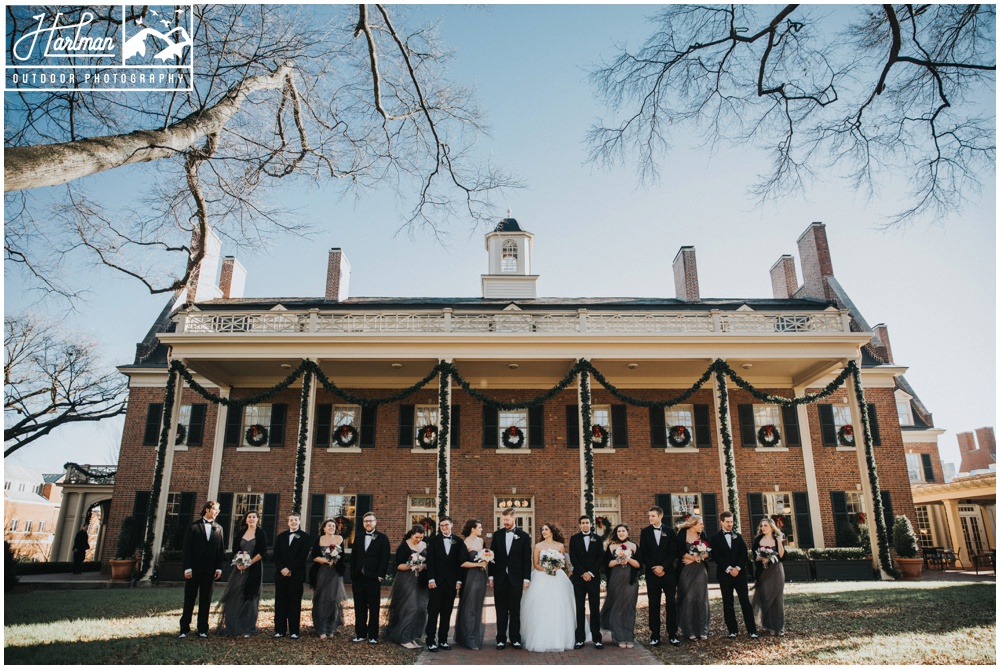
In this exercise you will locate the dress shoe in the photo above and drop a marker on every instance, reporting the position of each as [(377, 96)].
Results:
[(183, 635), (674, 641), (293, 637), (578, 645), (653, 643), (373, 641), (444, 646), (732, 635), (501, 645), (516, 645), (358, 639), (621, 644), (754, 635), (432, 647), (277, 635), (598, 645), (202, 635)]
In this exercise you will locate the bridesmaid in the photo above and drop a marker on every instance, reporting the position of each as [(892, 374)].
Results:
[(408, 599), (327, 580), (692, 579), (769, 591), (618, 612), (241, 599), (469, 628)]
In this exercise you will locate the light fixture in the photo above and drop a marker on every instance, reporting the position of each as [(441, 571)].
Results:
[(859, 486), (513, 491), (685, 488), (633, 365), (776, 487), (697, 511), (427, 491), (787, 510), (249, 488), (285, 365), (397, 365), (746, 365), (512, 365)]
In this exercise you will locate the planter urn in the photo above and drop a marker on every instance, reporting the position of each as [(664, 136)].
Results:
[(122, 570), (911, 568)]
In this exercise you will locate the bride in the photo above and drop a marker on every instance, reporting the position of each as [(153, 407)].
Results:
[(548, 608)]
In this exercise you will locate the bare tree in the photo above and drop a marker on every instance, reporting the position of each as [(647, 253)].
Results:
[(50, 382), (279, 94), (896, 90)]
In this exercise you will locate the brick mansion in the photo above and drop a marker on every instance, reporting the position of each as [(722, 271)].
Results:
[(338, 451)]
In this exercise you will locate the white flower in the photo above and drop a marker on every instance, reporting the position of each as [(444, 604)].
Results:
[(551, 561), (242, 558)]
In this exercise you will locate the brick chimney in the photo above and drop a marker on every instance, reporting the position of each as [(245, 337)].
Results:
[(233, 278), (686, 275), (987, 440), (338, 276), (783, 280), (814, 253), (884, 349), (966, 442)]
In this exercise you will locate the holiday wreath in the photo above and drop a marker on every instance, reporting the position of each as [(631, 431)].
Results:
[(768, 436), (513, 437)]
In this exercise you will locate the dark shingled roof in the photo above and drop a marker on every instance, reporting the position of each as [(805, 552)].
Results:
[(508, 225)]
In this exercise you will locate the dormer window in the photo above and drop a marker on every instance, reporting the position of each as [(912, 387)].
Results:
[(508, 258), (903, 408)]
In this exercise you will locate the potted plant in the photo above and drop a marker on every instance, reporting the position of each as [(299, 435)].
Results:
[(123, 566), (904, 540), (841, 564)]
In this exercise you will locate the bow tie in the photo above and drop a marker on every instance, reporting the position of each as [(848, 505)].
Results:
[(369, 534), (658, 529), (207, 522), (728, 534), (446, 536), (588, 535)]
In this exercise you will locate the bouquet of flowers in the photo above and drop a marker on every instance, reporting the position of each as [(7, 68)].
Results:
[(331, 552), (242, 559), (767, 555), (484, 556), (552, 561), (699, 549), (622, 554), (416, 561)]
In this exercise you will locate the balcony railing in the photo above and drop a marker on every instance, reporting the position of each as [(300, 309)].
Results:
[(98, 474), (449, 321)]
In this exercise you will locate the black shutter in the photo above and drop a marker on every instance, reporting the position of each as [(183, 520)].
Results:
[(657, 428), (185, 516), (456, 427), (840, 516), (619, 425), (756, 500), (324, 422), (827, 428), (407, 430), (702, 429), (276, 436), (269, 517), (368, 417), (139, 510), (928, 464), (803, 521), (225, 517), (887, 512), (790, 419), (748, 431), (665, 503), (536, 426), (363, 504), (572, 426), (710, 512), (196, 427), (234, 421), (873, 422), (317, 509), (491, 427), (154, 421)]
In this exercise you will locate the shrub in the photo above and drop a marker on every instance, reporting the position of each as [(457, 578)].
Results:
[(128, 539), (795, 555), (903, 538), (865, 539), (852, 553), (847, 535)]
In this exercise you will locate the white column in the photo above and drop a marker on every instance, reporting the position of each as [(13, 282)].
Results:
[(215, 470), (62, 548), (168, 467), (579, 418), (809, 464), (310, 408), (718, 439)]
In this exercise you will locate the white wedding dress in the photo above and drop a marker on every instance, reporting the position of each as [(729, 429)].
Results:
[(548, 613)]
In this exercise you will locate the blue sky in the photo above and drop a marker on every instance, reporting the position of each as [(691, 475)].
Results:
[(934, 285)]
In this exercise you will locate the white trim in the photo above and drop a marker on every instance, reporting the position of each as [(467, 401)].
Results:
[(771, 449), (253, 449), (928, 436), (847, 449), (344, 449), (417, 449), (690, 449)]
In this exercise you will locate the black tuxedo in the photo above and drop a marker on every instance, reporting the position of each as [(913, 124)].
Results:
[(203, 555), (662, 554), (726, 557), (291, 554), (585, 560), (445, 571), (509, 572), (368, 568)]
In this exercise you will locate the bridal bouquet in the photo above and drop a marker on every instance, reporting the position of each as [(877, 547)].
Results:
[(485, 556), (699, 549), (767, 555), (552, 561), (332, 552), (622, 554), (416, 561), (242, 559)]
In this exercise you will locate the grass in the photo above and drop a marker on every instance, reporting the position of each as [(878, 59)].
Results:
[(874, 622), (933, 622)]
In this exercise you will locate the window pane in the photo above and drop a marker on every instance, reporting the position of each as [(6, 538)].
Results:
[(682, 414), (841, 415), (778, 506), (341, 508), (259, 414), (510, 419), (768, 414), (421, 510), (914, 467), (682, 505)]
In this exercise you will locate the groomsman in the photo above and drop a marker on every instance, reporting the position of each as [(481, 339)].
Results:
[(586, 554), (369, 564), (291, 550), (657, 548), (445, 554), (729, 552), (510, 576), (201, 557)]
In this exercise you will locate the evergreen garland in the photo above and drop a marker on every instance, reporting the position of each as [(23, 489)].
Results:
[(784, 401), (444, 443), (885, 558), (301, 451), (650, 404), (514, 406), (261, 397), (587, 445), (371, 403), (97, 477), (161, 459), (727, 444)]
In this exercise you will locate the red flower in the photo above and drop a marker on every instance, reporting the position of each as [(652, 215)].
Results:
[(680, 429), (848, 430), (861, 517), (768, 430), (343, 431)]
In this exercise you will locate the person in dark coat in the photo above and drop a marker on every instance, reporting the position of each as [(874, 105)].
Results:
[(81, 544), (445, 555), (657, 552), (369, 564), (510, 576), (729, 551), (201, 558), (586, 554), (291, 550)]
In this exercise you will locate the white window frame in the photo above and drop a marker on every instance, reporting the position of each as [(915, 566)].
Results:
[(768, 414), (509, 251), (606, 424), (854, 500), (419, 507), (348, 510), (41, 526), (27, 526), (904, 410), (504, 421), (183, 418), (674, 415), (682, 503), (424, 414), (842, 417), (524, 513), (338, 413), (773, 507), (915, 467), (609, 506), (13, 525), (243, 502), (252, 414)]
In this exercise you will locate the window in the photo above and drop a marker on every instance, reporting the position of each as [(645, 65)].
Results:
[(683, 504), (841, 415), (424, 415), (173, 528), (601, 415), (904, 412), (259, 414), (768, 414), (778, 505), (13, 525), (242, 503), (27, 526), (509, 419), (508, 258), (345, 414), (923, 528), (421, 510), (524, 513), (681, 415), (607, 513), (41, 526), (183, 425), (914, 467), (6, 485), (342, 508)]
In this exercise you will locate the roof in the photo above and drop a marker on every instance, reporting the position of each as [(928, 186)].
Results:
[(27, 497), (508, 225), (19, 473), (53, 478)]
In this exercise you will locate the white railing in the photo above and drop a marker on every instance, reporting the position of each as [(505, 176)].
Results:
[(582, 321)]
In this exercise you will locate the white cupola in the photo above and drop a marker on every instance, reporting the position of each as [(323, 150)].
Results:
[(509, 249)]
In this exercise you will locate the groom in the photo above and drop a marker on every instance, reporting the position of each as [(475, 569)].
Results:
[(510, 576), (729, 552), (586, 555), (657, 548), (445, 555)]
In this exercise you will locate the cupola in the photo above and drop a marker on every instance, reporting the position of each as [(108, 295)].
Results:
[(509, 248)]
